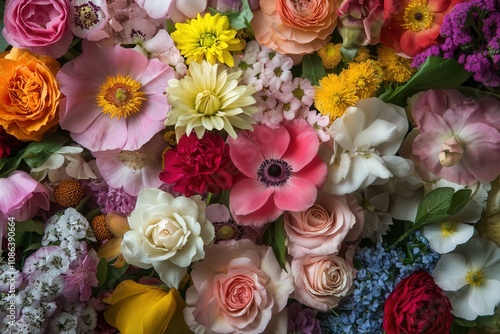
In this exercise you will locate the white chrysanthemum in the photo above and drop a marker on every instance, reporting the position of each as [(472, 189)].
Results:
[(209, 98), (471, 278)]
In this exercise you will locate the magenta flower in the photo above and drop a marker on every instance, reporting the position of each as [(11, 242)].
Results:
[(459, 137), (114, 97), (281, 171)]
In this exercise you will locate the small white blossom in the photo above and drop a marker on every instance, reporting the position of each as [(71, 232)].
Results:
[(66, 225)]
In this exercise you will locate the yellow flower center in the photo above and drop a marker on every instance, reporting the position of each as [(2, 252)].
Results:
[(417, 16), (120, 96), (225, 232), (135, 160), (448, 228), (475, 278), (207, 40), (207, 103)]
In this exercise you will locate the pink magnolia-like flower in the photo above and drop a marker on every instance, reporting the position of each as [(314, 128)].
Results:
[(237, 288), (197, 166), (21, 197), (459, 137), (321, 281), (321, 229), (114, 97), (40, 26), (361, 21), (280, 168)]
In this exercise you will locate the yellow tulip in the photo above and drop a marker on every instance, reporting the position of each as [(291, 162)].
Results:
[(118, 225), (145, 309)]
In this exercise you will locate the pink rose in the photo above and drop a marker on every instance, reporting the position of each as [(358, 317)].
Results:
[(21, 197), (361, 21), (321, 229), (42, 26), (237, 288), (322, 281)]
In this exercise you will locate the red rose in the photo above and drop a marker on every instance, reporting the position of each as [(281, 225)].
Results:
[(417, 305), (196, 166)]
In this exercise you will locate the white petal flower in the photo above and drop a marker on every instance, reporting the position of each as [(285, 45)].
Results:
[(364, 137), (471, 278)]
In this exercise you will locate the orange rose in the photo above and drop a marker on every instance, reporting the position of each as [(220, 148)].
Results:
[(295, 27), (29, 94)]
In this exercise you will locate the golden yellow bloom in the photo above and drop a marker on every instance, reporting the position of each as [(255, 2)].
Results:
[(145, 309), (330, 55), (362, 54), (396, 68), (209, 37), (365, 77), (120, 96), (29, 94), (334, 95), (111, 250)]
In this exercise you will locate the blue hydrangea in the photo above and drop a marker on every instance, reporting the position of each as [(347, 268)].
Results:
[(380, 270)]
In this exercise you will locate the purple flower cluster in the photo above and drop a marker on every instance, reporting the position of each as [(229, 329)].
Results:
[(471, 34)]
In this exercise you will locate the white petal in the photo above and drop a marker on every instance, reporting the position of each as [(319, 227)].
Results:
[(462, 233), (450, 272), (460, 303), (483, 299), (376, 133), (169, 273)]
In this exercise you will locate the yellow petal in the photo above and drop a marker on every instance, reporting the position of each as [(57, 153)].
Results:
[(177, 324), (111, 249), (117, 224)]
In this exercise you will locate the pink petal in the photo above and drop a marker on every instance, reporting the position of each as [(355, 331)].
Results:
[(154, 78), (267, 213), (316, 172), (239, 201), (103, 134), (297, 194), (303, 145)]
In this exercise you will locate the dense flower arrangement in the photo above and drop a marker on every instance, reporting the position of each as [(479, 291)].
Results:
[(245, 166)]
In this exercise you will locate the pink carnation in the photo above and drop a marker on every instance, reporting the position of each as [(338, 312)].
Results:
[(21, 197), (41, 26), (81, 277), (281, 169), (459, 137), (114, 97)]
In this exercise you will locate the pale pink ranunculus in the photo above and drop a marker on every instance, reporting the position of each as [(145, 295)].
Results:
[(321, 281), (361, 21), (321, 229), (237, 288), (21, 198), (41, 26), (295, 27)]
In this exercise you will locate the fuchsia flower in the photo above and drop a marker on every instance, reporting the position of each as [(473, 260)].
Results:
[(281, 170), (459, 137), (114, 97)]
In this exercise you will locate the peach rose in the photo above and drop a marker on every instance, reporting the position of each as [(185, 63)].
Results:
[(29, 94), (295, 27), (237, 288), (322, 281), (321, 229)]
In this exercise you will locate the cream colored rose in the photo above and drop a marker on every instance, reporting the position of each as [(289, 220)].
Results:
[(322, 281), (167, 233)]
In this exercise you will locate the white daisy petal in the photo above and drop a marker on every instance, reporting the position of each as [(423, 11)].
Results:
[(450, 272)]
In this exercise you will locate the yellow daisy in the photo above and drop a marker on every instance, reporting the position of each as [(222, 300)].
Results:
[(365, 77), (333, 96), (396, 68), (210, 98), (330, 55), (209, 37), (362, 54)]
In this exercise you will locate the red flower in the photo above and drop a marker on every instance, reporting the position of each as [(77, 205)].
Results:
[(413, 25), (197, 166), (7, 143), (417, 305)]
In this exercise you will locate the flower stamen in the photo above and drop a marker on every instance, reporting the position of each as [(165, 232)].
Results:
[(120, 96), (417, 16), (475, 277)]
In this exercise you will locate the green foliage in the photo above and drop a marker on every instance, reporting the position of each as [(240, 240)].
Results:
[(438, 205), (3, 43), (435, 73), (275, 237), (312, 68), (238, 19)]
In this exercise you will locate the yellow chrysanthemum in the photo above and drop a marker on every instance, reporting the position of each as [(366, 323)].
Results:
[(365, 77), (396, 68), (207, 38), (210, 98), (362, 54), (330, 55), (333, 96)]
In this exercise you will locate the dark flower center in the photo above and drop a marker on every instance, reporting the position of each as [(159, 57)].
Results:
[(418, 16), (274, 172)]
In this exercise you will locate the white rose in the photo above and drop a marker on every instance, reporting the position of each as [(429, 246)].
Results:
[(167, 233)]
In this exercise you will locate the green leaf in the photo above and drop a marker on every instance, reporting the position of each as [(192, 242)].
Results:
[(33, 246), (312, 68), (460, 198), (27, 226), (348, 54), (435, 73), (3, 43), (241, 19), (434, 206), (102, 272), (275, 237), (12, 164), (37, 153)]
